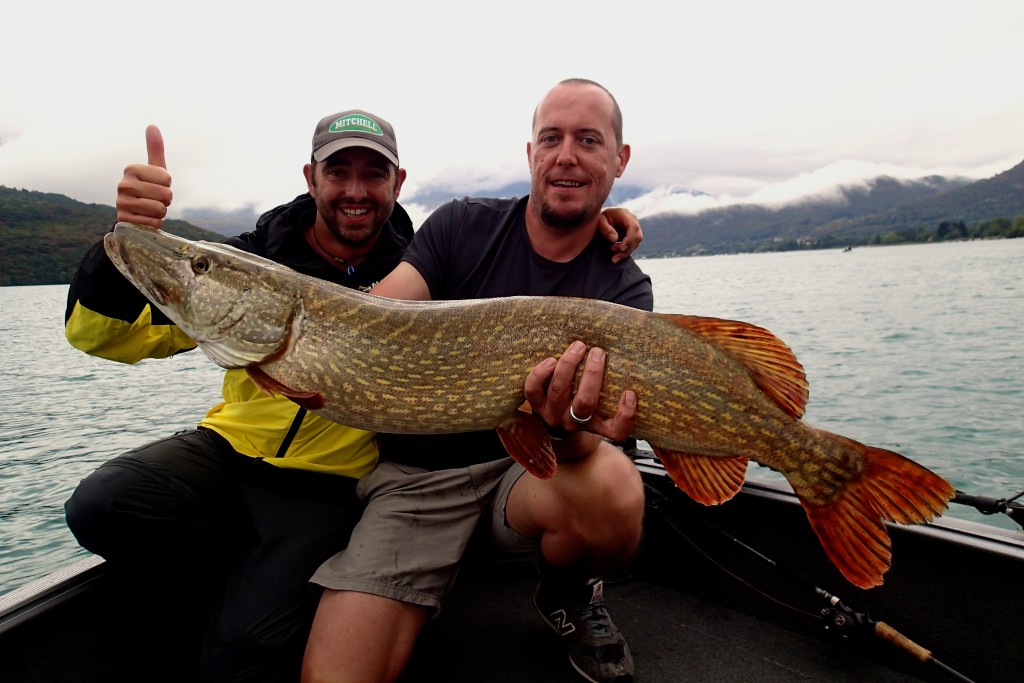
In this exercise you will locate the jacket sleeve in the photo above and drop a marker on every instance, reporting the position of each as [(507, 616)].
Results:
[(107, 317)]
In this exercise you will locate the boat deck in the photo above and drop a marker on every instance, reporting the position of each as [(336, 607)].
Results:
[(491, 633)]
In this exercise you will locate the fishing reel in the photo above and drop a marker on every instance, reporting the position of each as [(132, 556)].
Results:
[(842, 622)]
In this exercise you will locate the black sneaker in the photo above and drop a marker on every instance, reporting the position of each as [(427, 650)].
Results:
[(596, 648)]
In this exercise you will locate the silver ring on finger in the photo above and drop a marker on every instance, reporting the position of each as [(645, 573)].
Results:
[(578, 420)]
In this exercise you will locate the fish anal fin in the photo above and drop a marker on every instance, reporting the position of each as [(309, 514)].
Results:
[(769, 361), (528, 442), (851, 525), (709, 480), (310, 400)]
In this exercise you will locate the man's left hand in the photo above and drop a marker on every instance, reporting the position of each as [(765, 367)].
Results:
[(622, 229)]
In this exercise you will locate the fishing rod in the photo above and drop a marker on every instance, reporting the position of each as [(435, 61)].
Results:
[(843, 617), (994, 506), (840, 619)]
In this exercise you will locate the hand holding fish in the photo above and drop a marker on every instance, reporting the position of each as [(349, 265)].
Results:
[(144, 192), (549, 390)]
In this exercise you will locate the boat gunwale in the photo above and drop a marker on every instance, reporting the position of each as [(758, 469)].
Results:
[(979, 536), (24, 602)]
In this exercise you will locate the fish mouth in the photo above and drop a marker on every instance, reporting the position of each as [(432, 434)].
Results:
[(147, 273), (178, 276), (113, 247)]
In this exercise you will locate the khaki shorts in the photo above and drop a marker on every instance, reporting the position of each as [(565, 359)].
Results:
[(417, 524)]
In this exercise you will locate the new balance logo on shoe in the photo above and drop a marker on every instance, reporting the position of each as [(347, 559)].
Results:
[(561, 623)]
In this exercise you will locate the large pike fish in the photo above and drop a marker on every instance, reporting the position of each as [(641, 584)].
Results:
[(711, 393)]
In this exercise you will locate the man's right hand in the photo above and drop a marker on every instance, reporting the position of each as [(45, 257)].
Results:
[(144, 192), (549, 390)]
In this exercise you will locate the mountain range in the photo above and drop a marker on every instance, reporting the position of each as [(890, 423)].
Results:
[(883, 210), (43, 236)]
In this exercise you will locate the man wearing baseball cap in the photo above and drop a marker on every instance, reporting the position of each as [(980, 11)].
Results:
[(354, 128), (244, 507)]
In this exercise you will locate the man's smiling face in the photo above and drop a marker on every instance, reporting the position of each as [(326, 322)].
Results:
[(575, 155)]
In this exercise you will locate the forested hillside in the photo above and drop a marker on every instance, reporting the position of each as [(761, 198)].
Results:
[(43, 236)]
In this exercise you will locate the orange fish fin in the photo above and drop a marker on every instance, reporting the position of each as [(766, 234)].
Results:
[(770, 362), (529, 444), (892, 488), (310, 400), (707, 479)]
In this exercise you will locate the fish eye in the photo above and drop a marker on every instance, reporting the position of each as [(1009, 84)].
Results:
[(201, 264)]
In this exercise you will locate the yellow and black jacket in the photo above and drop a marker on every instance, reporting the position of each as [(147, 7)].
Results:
[(107, 317)]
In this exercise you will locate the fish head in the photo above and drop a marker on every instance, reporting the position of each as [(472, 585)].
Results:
[(240, 309)]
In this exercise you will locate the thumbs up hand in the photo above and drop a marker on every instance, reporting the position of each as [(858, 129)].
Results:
[(144, 192)]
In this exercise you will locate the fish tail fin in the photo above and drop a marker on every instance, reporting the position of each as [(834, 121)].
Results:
[(851, 525), (707, 479)]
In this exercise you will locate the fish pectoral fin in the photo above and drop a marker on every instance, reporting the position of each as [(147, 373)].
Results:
[(850, 523), (310, 400), (769, 361), (529, 444), (707, 479)]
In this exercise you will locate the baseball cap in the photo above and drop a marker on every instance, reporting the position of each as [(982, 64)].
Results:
[(354, 128)]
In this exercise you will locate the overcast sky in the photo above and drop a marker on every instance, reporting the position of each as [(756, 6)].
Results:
[(743, 101)]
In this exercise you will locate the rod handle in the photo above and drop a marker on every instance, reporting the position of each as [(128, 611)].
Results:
[(886, 632)]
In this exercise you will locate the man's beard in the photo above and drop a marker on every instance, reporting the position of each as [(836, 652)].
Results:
[(560, 219)]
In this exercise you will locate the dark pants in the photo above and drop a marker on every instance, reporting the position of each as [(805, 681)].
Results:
[(220, 540)]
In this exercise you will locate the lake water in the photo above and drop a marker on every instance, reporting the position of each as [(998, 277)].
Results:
[(916, 348)]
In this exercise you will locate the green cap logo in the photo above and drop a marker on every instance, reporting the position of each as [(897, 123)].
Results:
[(356, 124)]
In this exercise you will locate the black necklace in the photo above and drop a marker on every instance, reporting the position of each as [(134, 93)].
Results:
[(343, 262)]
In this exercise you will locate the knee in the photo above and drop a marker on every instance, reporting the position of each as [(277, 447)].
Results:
[(618, 485), (89, 510), (623, 513), (611, 516), (119, 512)]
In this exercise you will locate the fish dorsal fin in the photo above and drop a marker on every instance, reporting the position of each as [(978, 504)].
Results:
[(771, 364)]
